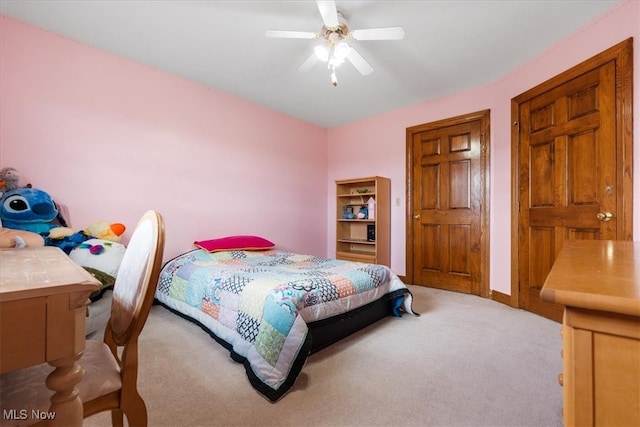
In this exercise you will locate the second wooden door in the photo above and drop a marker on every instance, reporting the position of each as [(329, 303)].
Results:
[(447, 199), (572, 162)]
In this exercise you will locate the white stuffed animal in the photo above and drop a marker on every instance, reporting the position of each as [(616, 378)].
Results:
[(99, 254)]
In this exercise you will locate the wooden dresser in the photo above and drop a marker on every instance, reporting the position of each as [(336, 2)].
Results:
[(599, 284)]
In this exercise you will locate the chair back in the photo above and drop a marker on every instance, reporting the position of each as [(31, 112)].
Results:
[(136, 281)]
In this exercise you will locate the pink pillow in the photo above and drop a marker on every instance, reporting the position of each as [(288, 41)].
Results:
[(235, 243)]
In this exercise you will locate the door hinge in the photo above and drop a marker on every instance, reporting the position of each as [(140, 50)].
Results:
[(517, 124)]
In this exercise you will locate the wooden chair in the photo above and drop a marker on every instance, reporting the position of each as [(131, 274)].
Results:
[(111, 367)]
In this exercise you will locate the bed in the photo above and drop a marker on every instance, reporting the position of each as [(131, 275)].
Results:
[(272, 309)]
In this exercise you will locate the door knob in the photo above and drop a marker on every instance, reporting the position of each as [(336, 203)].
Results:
[(604, 216), (416, 217)]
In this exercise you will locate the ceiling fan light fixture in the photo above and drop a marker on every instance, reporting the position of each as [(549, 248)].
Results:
[(322, 53), (335, 33), (341, 51)]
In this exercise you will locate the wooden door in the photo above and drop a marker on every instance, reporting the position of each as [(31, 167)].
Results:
[(447, 168), (571, 173)]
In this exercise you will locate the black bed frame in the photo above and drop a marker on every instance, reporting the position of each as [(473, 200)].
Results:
[(328, 331), (331, 330)]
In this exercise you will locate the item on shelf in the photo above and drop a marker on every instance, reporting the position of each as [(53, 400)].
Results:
[(347, 212), (371, 207), (363, 213), (371, 233), (362, 190)]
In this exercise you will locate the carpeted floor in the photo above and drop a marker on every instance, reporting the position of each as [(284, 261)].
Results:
[(466, 361)]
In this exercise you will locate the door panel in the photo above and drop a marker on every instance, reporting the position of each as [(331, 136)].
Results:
[(570, 173), (446, 173)]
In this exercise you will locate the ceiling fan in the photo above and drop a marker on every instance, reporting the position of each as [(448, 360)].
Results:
[(336, 34)]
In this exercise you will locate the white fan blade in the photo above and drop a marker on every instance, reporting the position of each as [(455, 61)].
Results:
[(359, 62), (284, 34), (329, 13), (386, 33), (310, 62)]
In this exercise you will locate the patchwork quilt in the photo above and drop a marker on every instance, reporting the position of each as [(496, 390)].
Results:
[(258, 303)]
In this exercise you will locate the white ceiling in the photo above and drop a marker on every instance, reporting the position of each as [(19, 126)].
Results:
[(449, 46)]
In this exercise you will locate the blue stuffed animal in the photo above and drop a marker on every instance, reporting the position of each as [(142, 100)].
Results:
[(28, 209)]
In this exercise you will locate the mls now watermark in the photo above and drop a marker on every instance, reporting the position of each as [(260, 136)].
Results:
[(23, 414)]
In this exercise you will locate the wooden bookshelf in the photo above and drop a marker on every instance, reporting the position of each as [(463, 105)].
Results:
[(364, 237)]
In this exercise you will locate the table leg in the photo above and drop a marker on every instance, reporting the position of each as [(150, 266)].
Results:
[(66, 406)]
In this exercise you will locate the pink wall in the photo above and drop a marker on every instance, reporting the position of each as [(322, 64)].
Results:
[(111, 138), (376, 145)]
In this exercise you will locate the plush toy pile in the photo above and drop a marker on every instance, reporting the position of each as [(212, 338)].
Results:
[(30, 217)]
